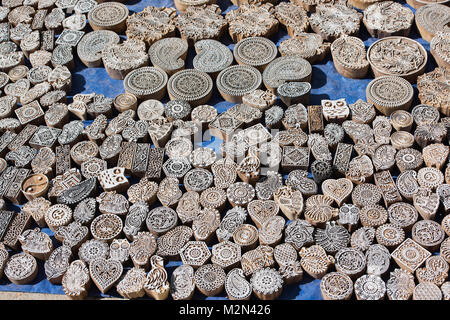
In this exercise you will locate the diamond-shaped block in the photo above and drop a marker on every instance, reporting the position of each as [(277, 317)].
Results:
[(45, 137), (224, 126), (70, 37), (410, 255), (295, 158)]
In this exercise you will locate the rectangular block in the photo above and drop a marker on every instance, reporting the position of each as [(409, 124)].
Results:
[(5, 140), (342, 157), (315, 119), (63, 161), (48, 40), (14, 193), (6, 179), (140, 159), (19, 224), (4, 32), (6, 218), (126, 156), (22, 137), (155, 162), (30, 113)]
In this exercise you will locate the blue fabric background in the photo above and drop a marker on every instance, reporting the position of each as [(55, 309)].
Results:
[(326, 83)]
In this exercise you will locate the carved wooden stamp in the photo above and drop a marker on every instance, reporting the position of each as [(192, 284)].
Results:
[(384, 181), (345, 20), (36, 208), (210, 279), (106, 227), (146, 83), (34, 186), (21, 268), (252, 20), (428, 233), (132, 285), (378, 259), (410, 255), (353, 65), (105, 273), (377, 93), (315, 261), (400, 285), (57, 264), (398, 19), (182, 284), (45, 137), (36, 243), (63, 162), (120, 59), (438, 45), (379, 51), (430, 19), (93, 249), (142, 248), (403, 215), (195, 253), (151, 24), (108, 16), (201, 22), (231, 85), (377, 285), (169, 244), (76, 280), (205, 224)]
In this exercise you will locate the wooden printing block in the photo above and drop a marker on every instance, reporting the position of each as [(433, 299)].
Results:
[(315, 119), (155, 162), (19, 224), (6, 179), (224, 126), (342, 158), (38, 20), (140, 159), (4, 28), (295, 158), (48, 40), (126, 155), (14, 193), (30, 113), (35, 186), (384, 181), (6, 218), (22, 137), (63, 161), (45, 137), (5, 140)]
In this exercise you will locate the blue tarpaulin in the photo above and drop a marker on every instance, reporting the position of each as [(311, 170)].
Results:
[(326, 83)]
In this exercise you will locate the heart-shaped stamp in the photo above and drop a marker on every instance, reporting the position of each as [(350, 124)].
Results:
[(262, 210), (337, 189), (105, 273)]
